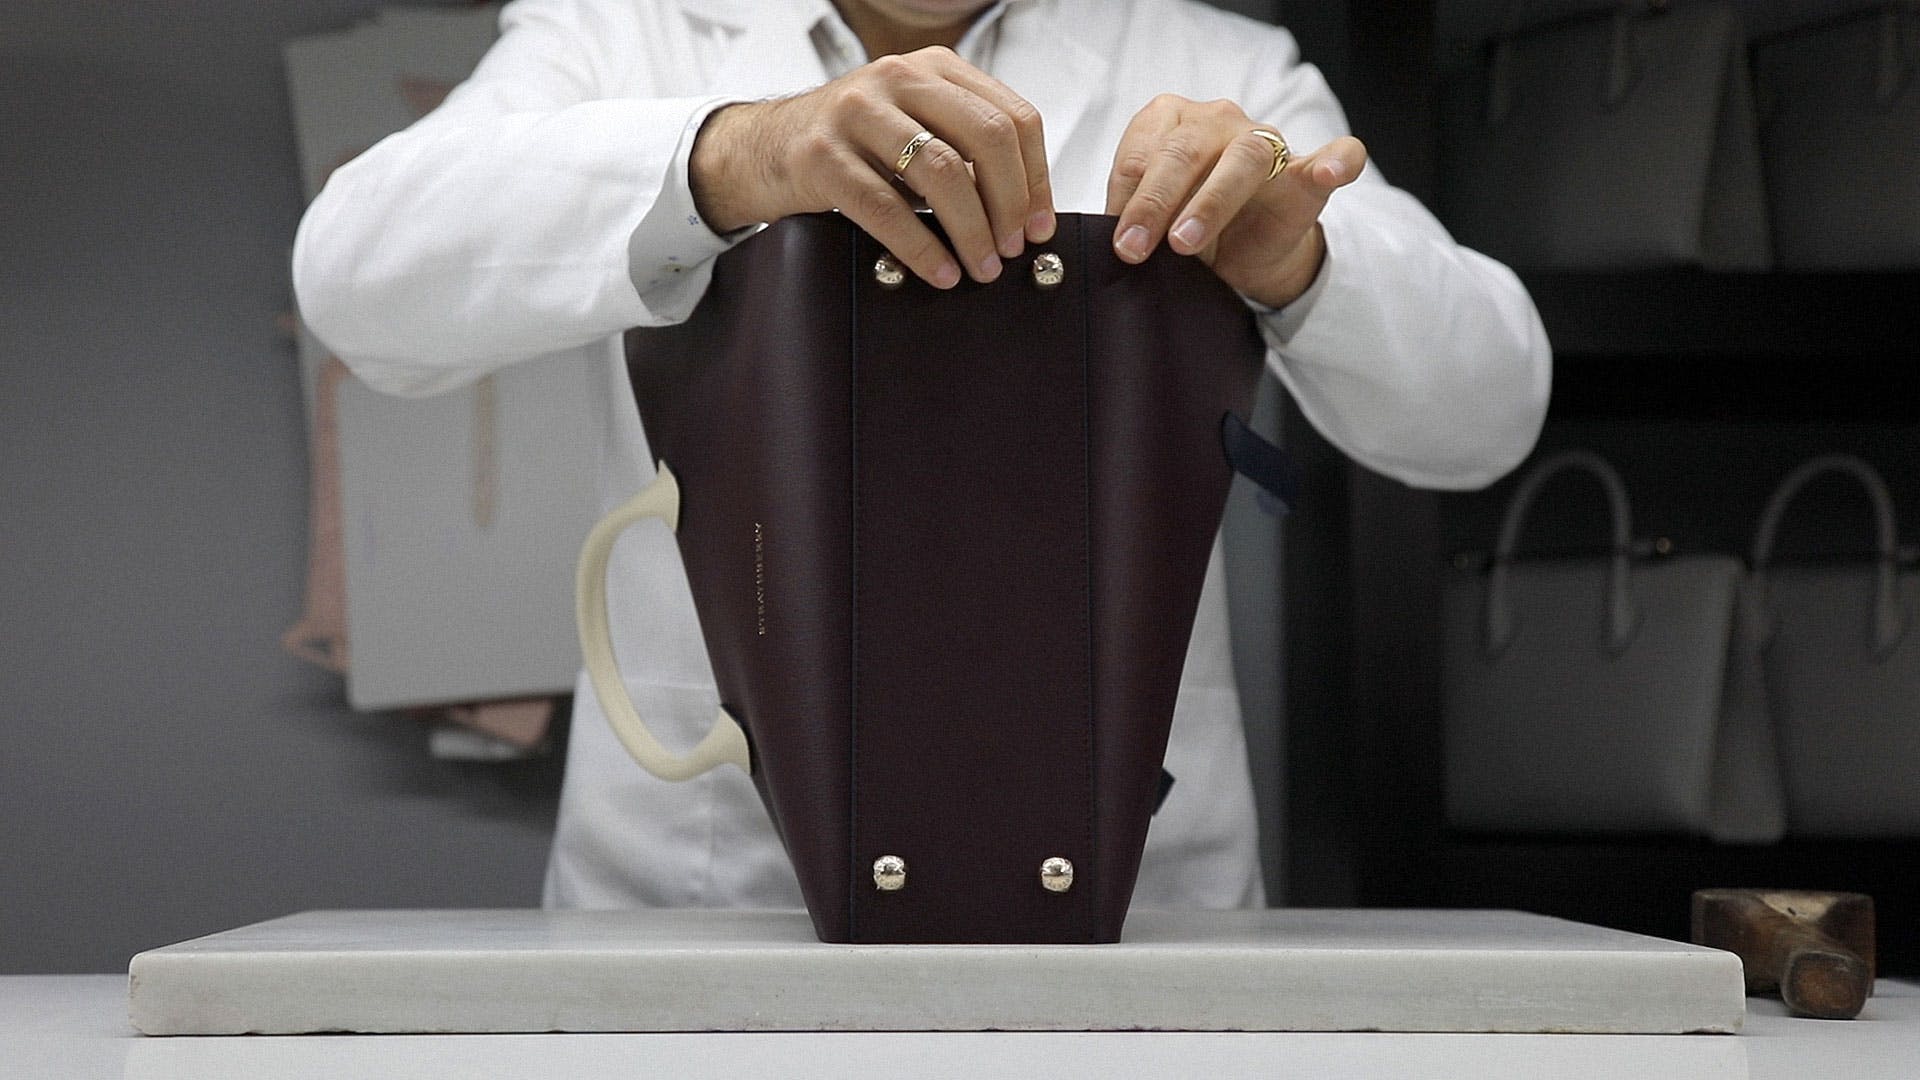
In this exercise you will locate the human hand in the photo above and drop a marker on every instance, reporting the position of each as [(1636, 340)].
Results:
[(984, 173), (1190, 173)]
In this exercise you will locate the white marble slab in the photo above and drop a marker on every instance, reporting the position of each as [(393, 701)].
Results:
[(640, 971)]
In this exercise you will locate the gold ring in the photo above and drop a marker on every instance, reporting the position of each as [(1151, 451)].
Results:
[(906, 153), (1280, 153)]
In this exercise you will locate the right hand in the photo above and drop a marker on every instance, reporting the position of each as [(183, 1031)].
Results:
[(984, 174)]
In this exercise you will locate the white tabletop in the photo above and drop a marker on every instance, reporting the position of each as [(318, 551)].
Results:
[(75, 1027), (690, 970)]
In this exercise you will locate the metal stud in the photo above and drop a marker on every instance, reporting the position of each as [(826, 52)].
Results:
[(888, 271), (889, 873), (1048, 270), (1056, 874)]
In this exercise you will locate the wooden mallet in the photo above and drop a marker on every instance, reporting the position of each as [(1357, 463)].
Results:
[(1815, 948)]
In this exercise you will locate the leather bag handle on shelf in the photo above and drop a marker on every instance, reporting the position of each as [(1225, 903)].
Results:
[(1621, 68), (1561, 93), (1888, 624), (726, 742), (1895, 65), (1621, 616), (1895, 70)]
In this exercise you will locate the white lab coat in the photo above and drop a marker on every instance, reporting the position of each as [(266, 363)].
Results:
[(543, 208)]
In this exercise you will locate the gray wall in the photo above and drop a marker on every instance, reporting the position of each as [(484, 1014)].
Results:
[(165, 771)]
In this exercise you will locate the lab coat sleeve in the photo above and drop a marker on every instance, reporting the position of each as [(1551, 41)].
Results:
[(504, 224), (1418, 358)]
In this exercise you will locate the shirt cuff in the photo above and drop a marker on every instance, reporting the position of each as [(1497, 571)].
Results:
[(672, 238), (1284, 322)]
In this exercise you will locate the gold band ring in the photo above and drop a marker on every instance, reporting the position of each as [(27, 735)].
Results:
[(1281, 155), (906, 153)]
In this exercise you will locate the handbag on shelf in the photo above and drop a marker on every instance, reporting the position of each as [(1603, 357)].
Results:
[(1842, 660), (1839, 108), (946, 549), (1618, 136), (1603, 694)]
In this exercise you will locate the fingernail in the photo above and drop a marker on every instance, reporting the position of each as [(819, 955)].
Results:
[(1191, 233), (1133, 243), (946, 275), (1040, 226), (1012, 244), (1333, 170), (989, 268)]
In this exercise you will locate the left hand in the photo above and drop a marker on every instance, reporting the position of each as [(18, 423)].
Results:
[(1189, 173)]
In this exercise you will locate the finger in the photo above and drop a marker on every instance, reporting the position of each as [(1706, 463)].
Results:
[(935, 171), (1240, 173), (1038, 221), (987, 138), (939, 174), (1175, 168), (876, 206), (1130, 159), (1336, 164)]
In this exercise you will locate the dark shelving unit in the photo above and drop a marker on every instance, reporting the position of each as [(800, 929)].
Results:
[(1666, 314), (1813, 353), (1689, 344), (1767, 364)]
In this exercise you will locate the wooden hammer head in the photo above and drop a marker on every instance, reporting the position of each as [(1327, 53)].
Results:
[(1815, 948)]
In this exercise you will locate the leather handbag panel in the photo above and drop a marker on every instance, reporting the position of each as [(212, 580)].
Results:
[(972, 707), (749, 401), (946, 548)]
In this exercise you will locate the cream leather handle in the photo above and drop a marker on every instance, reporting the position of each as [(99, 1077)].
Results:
[(726, 742), (1622, 614), (1889, 620)]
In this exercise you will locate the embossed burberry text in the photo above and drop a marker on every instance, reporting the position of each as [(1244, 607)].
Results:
[(759, 580)]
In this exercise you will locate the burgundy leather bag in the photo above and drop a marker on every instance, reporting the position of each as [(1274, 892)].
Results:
[(946, 549)]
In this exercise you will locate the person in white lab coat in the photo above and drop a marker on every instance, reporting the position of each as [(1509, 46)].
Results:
[(605, 151)]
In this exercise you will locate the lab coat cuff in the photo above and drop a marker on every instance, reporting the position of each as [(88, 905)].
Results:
[(1282, 323), (671, 247)]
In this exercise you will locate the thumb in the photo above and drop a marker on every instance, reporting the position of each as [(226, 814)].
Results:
[(1336, 164)]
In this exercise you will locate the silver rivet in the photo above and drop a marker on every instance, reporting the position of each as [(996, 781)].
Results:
[(1048, 270), (888, 271), (889, 873), (1056, 874)]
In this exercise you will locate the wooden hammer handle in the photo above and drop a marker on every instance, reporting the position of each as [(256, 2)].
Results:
[(1816, 975)]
